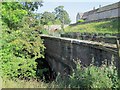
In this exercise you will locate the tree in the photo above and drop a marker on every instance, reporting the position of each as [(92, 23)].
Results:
[(32, 6), (62, 15), (20, 42), (47, 18), (12, 13)]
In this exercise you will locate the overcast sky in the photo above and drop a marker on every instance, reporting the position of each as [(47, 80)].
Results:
[(73, 6)]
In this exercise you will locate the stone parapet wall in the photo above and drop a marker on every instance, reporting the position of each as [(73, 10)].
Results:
[(98, 37), (61, 52)]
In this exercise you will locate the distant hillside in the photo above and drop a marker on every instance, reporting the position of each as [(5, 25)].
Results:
[(109, 26)]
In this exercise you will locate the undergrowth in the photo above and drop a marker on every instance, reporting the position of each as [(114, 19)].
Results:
[(91, 77)]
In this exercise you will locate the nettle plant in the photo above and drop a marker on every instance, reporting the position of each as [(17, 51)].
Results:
[(19, 50), (92, 76)]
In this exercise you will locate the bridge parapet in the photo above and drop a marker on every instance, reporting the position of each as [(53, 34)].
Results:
[(61, 52)]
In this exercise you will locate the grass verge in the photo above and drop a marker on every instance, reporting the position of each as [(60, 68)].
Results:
[(109, 26), (9, 83)]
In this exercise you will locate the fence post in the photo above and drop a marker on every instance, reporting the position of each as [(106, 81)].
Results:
[(118, 47), (118, 42)]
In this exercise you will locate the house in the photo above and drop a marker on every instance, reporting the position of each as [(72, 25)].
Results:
[(79, 16), (109, 11)]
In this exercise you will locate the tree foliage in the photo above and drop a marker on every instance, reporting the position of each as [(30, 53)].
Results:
[(12, 14), (59, 16), (32, 6), (47, 18), (62, 15), (20, 41)]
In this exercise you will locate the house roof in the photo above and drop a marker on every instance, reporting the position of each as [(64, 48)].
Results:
[(101, 9)]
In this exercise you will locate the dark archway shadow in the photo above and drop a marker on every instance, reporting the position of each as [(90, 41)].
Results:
[(44, 72)]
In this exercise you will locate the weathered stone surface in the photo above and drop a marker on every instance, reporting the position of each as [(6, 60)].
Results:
[(62, 52), (92, 37)]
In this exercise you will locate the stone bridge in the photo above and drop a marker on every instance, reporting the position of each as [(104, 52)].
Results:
[(62, 52)]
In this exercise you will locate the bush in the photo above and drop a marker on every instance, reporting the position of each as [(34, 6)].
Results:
[(91, 77), (19, 50), (80, 21), (20, 41)]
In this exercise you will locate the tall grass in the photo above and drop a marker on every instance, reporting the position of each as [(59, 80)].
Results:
[(9, 83), (109, 26)]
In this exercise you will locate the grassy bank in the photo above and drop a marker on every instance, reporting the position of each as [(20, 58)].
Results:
[(109, 26), (22, 84), (105, 76), (9, 83)]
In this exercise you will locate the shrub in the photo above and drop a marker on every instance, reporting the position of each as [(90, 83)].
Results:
[(80, 21), (94, 77), (20, 41), (19, 50), (91, 77)]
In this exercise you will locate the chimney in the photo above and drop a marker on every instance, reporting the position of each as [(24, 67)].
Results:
[(93, 8)]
